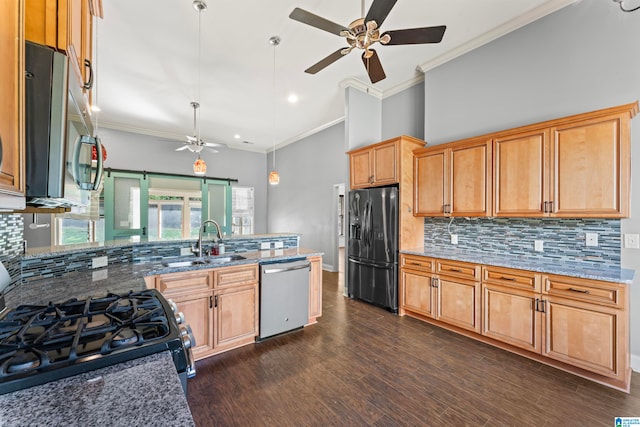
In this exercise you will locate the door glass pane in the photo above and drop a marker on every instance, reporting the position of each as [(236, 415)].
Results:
[(153, 221), (170, 221), (218, 203), (126, 204), (195, 218)]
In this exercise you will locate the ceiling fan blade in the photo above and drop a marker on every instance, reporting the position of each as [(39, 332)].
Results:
[(373, 66), (325, 62), (309, 18), (191, 139), (379, 10), (184, 147), (417, 35), (213, 144)]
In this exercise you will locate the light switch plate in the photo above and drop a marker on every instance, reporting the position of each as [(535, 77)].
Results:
[(454, 239), (632, 241), (278, 245), (538, 245), (185, 251), (265, 245), (592, 239)]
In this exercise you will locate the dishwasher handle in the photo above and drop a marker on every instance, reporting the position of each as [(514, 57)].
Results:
[(284, 268)]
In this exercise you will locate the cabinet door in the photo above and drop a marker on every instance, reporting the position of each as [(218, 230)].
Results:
[(360, 169), (431, 182), (12, 99), (385, 164), (591, 163), (417, 295), (510, 316), (315, 289), (197, 308), (236, 316), (520, 177), (585, 335), (458, 303), (470, 180)]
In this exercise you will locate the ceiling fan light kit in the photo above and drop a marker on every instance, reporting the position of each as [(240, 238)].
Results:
[(365, 32)]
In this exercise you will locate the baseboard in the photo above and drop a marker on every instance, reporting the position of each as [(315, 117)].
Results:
[(635, 362), (329, 267)]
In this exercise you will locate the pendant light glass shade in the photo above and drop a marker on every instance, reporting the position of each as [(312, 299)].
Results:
[(199, 167), (274, 178)]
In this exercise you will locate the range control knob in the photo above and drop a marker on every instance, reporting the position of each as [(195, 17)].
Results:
[(173, 305), (187, 336), (179, 318)]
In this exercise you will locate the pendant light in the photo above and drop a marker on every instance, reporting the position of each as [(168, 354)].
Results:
[(274, 177), (199, 166)]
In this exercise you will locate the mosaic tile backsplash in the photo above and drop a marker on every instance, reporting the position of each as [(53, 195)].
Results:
[(564, 239), (11, 229)]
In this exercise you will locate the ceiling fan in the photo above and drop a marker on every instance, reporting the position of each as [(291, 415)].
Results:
[(364, 32), (194, 143)]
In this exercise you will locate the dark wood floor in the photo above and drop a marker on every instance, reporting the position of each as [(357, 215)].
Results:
[(361, 365)]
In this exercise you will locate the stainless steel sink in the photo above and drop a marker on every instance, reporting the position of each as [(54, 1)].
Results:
[(203, 261)]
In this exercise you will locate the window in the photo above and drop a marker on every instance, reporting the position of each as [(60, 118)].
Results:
[(70, 231), (173, 216), (242, 210)]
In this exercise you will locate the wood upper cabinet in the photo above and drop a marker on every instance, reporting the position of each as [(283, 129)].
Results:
[(66, 25), (12, 104), (577, 166), (453, 180)]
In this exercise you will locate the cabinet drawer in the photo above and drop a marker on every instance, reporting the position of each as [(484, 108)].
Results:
[(604, 293), (460, 269), (417, 263), (189, 281), (519, 279), (238, 275)]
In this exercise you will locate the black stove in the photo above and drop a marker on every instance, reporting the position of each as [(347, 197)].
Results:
[(42, 343)]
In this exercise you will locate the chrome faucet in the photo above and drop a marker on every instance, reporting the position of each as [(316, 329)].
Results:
[(198, 250)]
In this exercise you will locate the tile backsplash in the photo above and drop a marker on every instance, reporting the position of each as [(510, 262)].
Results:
[(564, 239), (11, 227)]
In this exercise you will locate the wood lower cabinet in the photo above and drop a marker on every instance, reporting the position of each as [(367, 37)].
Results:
[(315, 289), (236, 316), (578, 325), (221, 305)]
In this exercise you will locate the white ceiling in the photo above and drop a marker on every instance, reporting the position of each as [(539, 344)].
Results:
[(147, 56)]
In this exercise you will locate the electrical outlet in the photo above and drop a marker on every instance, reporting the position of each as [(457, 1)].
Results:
[(100, 261), (592, 239), (265, 246), (278, 245), (185, 251), (632, 241), (454, 239), (538, 245)]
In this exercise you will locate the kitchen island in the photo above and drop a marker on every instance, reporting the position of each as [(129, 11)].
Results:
[(153, 394)]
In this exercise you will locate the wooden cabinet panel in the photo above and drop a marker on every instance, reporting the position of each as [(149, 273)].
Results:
[(464, 270), (603, 293), (236, 275), (517, 279), (360, 169), (458, 303), (455, 180), (520, 174), (584, 335), (196, 280), (197, 308), (431, 182), (236, 316), (385, 164), (509, 315), (590, 165), (417, 292), (416, 262), (12, 100), (315, 289)]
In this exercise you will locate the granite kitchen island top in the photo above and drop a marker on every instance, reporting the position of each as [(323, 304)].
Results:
[(140, 392)]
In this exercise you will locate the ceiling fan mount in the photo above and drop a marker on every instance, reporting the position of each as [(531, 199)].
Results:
[(364, 32)]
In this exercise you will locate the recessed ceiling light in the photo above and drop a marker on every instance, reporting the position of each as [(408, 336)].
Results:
[(236, 136), (293, 98)]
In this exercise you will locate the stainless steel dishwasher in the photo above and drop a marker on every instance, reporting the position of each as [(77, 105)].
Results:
[(284, 296)]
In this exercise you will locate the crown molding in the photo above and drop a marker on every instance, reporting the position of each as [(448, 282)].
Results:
[(362, 87), (512, 25)]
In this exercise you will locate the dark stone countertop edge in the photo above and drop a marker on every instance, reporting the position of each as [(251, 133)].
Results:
[(604, 273)]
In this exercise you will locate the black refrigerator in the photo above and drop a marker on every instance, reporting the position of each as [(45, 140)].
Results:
[(372, 273)]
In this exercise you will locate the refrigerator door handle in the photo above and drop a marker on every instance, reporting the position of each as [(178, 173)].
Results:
[(371, 264)]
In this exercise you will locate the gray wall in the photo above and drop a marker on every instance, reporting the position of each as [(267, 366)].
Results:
[(581, 58), (303, 202), (403, 113), (134, 151)]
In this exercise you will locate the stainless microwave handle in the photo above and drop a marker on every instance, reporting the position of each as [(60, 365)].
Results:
[(99, 165)]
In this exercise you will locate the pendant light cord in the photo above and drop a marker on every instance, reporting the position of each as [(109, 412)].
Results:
[(199, 70), (274, 43)]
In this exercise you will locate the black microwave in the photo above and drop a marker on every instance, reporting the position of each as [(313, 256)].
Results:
[(59, 170)]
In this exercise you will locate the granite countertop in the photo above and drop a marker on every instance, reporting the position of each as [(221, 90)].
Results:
[(147, 390), (140, 392), (604, 273)]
